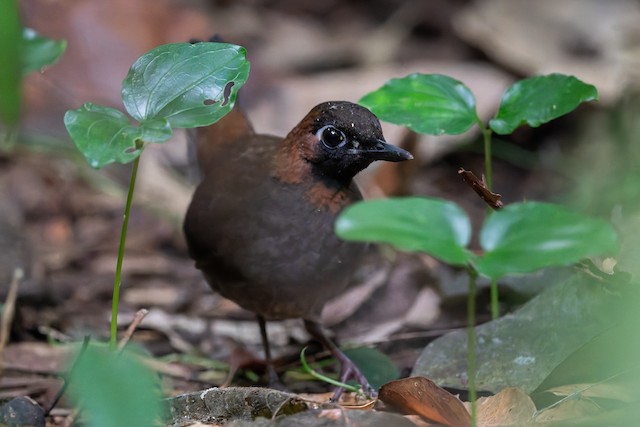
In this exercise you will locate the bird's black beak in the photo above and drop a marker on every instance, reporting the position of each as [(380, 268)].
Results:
[(381, 150)]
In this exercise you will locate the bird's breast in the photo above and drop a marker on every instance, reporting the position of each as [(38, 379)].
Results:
[(270, 245)]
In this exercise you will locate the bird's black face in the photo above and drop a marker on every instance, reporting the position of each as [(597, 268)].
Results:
[(348, 139)]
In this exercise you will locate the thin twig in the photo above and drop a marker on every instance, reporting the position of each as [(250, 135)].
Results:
[(71, 418), (9, 308), (54, 334), (137, 319), (481, 188)]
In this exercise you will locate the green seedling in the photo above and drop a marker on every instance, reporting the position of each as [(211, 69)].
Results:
[(173, 86), (521, 238), (179, 85)]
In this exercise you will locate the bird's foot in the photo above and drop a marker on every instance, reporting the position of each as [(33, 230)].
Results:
[(349, 372), (274, 381)]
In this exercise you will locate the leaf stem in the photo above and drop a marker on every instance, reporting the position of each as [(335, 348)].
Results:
[(324, 378), (495, 309), (471, 342), (123, 238), (486, 135), (488, 177)]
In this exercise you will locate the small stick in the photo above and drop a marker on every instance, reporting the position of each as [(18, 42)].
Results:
[(480, 187), (10, 308), (137, 319), (71, 418)]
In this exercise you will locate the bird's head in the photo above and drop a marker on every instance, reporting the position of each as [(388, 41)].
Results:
[(338, 139)]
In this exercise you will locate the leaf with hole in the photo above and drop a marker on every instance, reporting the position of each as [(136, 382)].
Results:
[(437, 227), (104, 135), (187, 84), (538, 100), (426, 103), (524, 237)]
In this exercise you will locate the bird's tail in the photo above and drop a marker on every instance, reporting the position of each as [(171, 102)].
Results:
[(205, 142), (208, 142)]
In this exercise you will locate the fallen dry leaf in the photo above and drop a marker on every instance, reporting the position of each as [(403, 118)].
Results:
[(420, 422), (347, 400), (607, 390), (421, 396), (569, 410), (511, 406), (199, 424), (534, 38), (36, 357)]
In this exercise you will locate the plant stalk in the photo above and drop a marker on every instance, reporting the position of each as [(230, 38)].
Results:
[(123, 237), (486, 135), (495, 309), (488, 172), (471, 343)]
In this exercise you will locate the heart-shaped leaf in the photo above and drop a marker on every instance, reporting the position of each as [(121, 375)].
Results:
[(104, 135), (524, 237), (39, 52), (187, 84), (540, 99), (115, 389), (426, 103), (437, 227)]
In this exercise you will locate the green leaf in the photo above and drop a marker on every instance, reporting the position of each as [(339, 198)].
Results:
[(39, 52), (437, 227), (524, 237), (525, 346), (10, 61), (185, 83), (426, 103), (115, 389), (105, 135), (376, 366), (540, 99), (155, 130)]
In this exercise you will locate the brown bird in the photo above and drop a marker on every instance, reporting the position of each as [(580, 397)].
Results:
[(261, 223)]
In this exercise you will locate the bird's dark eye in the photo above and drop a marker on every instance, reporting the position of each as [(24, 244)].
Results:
[(331, 137)]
